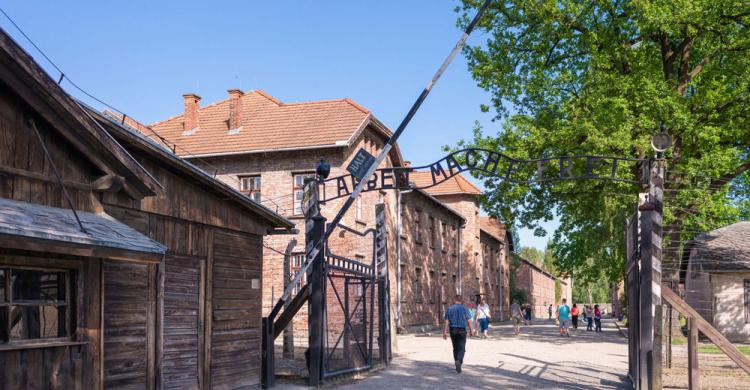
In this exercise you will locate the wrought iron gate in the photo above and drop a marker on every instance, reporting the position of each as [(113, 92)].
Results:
[(355, 307)]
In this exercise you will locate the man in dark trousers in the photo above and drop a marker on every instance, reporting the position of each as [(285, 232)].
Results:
[(457, 319)]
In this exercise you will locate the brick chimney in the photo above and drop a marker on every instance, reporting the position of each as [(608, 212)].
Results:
[(192, 104), (235, 108)]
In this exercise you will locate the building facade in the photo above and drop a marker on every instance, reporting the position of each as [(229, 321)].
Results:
[(266, 148), (539, 286), (427, 275), (717, 279), (483, 256)]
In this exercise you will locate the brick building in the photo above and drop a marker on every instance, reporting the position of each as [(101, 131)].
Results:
[(496, 282), (266, 148), (483, 258), (427, 276), (539, 286)]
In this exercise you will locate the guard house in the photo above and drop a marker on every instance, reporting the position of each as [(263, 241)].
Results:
[(160, 288)]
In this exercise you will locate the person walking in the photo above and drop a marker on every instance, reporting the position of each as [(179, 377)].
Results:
[(589, 315), (473, 312), (597, 319), (483, 318), (549, 312), (457, 320), (527, 314), (515, 313), (574, 315), (563, 316)]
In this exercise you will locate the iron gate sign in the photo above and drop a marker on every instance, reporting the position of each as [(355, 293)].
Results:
[(492, 163)]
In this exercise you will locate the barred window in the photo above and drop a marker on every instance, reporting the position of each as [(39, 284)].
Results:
[(34, 304), (250, 186)]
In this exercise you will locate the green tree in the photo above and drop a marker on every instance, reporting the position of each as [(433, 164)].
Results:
[(571, 77)]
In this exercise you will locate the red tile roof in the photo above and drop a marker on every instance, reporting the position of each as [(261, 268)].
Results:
[(493, 227), (268, 124), (457, 184)]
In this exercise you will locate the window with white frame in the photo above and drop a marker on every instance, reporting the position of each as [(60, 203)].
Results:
[(298, 261), (358, 208), (250, 186), (298, 186)]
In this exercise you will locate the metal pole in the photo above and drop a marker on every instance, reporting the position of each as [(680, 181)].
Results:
[(316, 279), (398, 261), (650, 283), (312, 253)]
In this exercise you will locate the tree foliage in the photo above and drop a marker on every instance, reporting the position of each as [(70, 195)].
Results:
[(601, 77)]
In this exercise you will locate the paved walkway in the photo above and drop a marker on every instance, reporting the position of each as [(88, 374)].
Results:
[(538, 358)]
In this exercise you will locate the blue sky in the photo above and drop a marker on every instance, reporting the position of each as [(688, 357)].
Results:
[(140, 57)]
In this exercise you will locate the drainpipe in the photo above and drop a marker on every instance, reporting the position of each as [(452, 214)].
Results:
[(398, 259), (460, 250)]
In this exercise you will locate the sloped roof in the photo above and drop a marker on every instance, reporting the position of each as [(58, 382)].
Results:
[(51, 224), (267, 124), (439, 203), (723, 249), (493, 227), (27, 79), (132, 137), (457, 184)]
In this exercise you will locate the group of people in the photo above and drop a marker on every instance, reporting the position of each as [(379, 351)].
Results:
[(567, 315), (480, 318), (462, 321)]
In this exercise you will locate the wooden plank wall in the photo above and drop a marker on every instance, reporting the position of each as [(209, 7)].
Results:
[(235, 327), (129, 316), (183, 323), (32, 179)]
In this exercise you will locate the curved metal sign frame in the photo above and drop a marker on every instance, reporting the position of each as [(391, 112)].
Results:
[(492, 163)]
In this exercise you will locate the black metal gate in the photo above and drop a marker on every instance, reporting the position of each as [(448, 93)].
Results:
[(349, 305), (354, 307)]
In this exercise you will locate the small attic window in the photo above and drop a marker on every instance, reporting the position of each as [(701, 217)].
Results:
[(190, 132), (235, 131)]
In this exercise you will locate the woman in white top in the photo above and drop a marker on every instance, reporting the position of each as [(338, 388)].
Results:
[(483, 317)]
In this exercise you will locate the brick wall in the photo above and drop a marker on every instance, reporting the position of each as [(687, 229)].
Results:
[(539, 287), (429, 268)]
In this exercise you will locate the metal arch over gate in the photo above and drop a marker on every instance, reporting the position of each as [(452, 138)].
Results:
[(496, 164)]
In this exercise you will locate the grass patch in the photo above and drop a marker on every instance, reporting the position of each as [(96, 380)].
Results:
[(714, 350), (677, 340), (709, 349)]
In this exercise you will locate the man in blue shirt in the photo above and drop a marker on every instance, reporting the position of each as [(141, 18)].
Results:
[(457, 319), (563, 316)]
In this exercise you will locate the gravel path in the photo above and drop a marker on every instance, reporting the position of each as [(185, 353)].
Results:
[(538, 358)]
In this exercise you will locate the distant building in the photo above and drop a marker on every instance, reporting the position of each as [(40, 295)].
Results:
[(539, 286), (717, 279)]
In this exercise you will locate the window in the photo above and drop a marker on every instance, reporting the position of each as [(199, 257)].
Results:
[(455, 240), (299, 190), (431, 232), (250, 186), (418, 285), (298, 261), (34, 304), (358, 208), (747, 300), (443, 236), (431, 290), (418, 226)]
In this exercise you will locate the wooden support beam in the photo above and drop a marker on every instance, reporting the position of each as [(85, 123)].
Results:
[(693, 373), (707, 329)]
